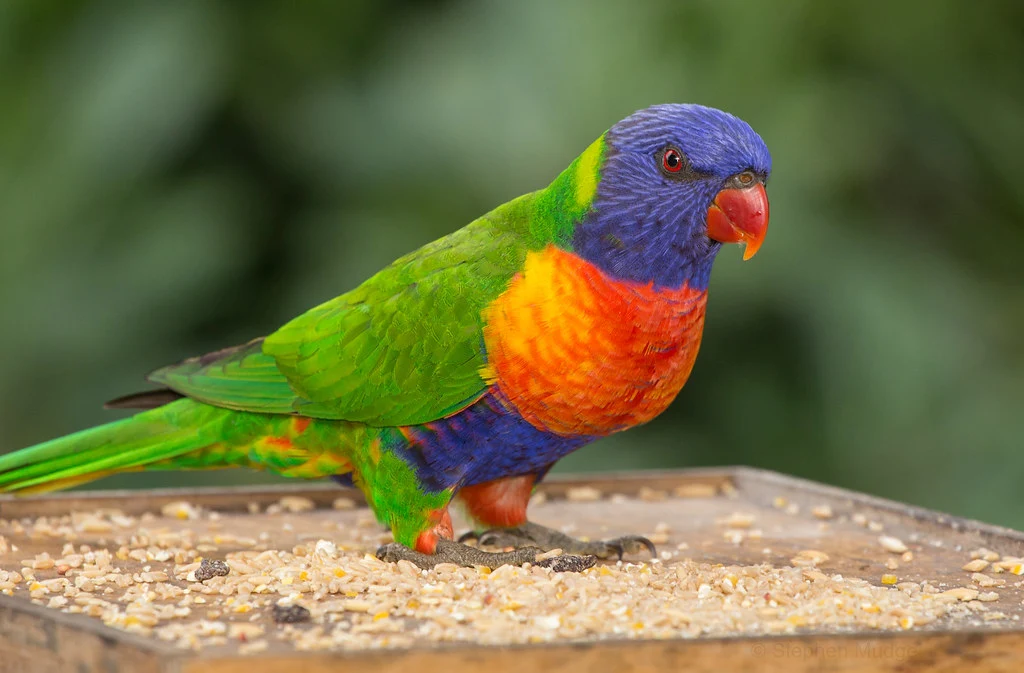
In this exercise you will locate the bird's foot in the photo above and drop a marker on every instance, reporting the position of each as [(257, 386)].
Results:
[(457, 553), (534, 535)]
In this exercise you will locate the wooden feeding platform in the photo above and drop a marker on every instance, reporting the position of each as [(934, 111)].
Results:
[(756, 572)]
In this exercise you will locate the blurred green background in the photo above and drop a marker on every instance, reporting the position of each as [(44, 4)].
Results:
[(180, 176)]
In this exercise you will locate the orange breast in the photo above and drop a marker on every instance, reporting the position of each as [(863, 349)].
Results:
[(578, 352)]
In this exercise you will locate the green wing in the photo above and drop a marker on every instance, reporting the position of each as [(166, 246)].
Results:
[(403, 348)]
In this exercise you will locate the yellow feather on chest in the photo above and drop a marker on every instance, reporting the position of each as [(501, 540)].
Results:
[(577, 352)]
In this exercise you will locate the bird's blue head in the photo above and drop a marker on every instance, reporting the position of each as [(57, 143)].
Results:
[(672, 183)]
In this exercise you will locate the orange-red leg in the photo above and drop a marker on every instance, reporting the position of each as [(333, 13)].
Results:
[(500, 506), (426, 542), (435, 545), (500, 503)]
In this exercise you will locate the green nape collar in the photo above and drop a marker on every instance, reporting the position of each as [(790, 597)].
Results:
[(562, 205)]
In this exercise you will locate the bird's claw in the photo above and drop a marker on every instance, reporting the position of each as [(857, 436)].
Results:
[(547, 539), (502, 538), (448, 551), (468, 536), (629, 544), (394, 552)]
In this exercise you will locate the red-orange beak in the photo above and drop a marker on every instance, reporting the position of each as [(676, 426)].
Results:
[(740, 216)]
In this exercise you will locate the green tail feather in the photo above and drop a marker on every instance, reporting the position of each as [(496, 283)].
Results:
[(187, 435), (154, 436)]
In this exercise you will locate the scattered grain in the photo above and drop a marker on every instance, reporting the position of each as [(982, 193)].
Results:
[(583, 494), (892, 544), (658, 538), (986, 581), (150, 579), (296, 504), (254, 647), (94, 524), (735, 536), (977, 565), (180, 510), (822, 512), (961, 594), (647, 494), (695, 491), (984, 554), (809, 557), (343, 504), (738, 520)]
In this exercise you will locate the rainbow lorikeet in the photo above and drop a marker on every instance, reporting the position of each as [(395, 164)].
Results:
[(467, 368)]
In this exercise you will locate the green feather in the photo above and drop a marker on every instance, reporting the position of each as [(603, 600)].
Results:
[(154, 436), (403, 348)]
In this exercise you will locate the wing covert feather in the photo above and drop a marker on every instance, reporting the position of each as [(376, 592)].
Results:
[(405, 347)]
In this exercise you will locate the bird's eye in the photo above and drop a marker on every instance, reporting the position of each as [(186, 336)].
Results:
[(746, 178), (672, 160)]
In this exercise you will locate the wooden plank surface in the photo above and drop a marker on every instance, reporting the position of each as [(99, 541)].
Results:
[(786, 514)]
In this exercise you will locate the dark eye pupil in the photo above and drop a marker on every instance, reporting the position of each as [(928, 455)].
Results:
[(671, 160)]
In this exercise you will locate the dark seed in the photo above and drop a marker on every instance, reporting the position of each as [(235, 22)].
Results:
[(209, 569), (291, 614)]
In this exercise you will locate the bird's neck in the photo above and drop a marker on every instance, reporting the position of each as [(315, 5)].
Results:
[(628, 247), (592, 210), (560, 208)]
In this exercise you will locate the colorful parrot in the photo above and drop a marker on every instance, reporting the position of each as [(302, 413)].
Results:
[(464, 370)]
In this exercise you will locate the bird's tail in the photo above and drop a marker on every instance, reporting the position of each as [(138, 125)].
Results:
[(161, 436), (186, 435)]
